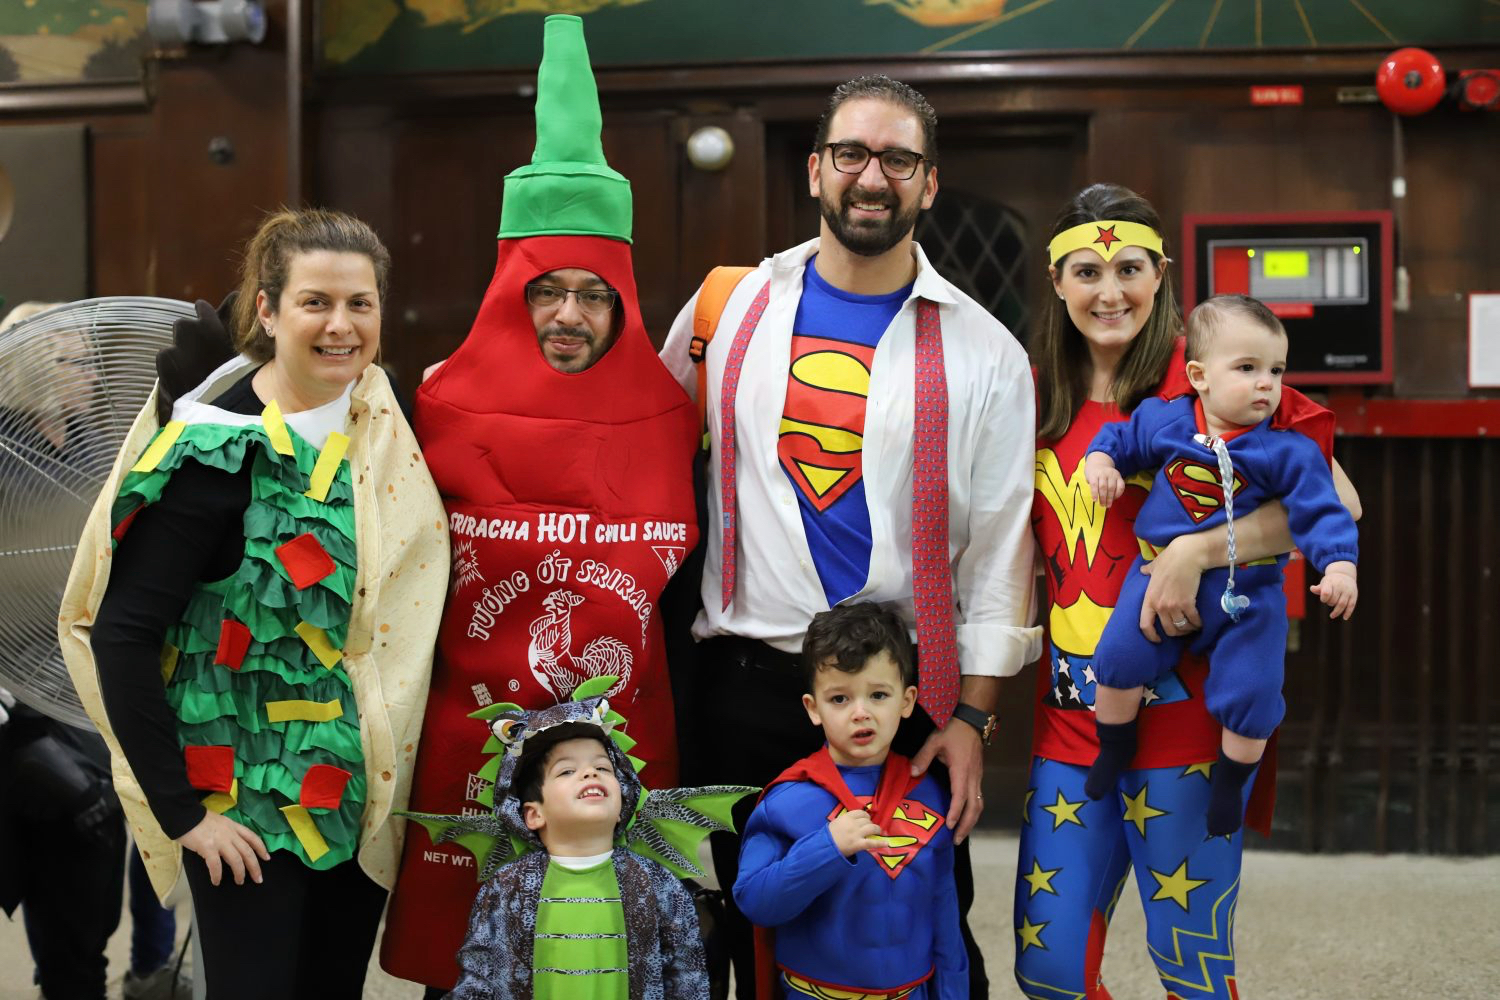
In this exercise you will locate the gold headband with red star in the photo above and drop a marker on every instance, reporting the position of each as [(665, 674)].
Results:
[(1107, 237)]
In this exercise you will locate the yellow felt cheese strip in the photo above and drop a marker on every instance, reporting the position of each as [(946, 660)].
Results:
[(222, 802), (169, 654), (276, 430), (317, 641), (304, 711), (327, 466), (306, 830), (159, 447)]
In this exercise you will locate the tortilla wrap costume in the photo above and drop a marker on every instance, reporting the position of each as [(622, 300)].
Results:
[(569, 499), (330, 609)]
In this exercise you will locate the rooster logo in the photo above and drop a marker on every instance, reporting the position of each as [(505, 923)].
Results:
[(550, 653)]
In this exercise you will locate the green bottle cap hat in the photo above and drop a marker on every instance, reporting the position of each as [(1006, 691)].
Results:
[(567, 189)]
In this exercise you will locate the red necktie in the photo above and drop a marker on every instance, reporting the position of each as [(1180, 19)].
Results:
[(931, 572), (932, 575)]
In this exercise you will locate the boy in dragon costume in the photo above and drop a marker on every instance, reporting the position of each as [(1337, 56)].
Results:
[(848, 858), (581, 896)]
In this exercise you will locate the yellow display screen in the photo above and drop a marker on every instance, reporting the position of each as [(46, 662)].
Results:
[(1285, 263)]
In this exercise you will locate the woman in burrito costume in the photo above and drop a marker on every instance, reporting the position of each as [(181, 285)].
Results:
[(569, 499), (251, 614)]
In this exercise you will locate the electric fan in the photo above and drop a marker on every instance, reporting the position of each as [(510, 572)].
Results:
[(72, 380)]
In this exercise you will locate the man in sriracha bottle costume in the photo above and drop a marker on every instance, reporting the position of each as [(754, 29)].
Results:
[(563, 452)]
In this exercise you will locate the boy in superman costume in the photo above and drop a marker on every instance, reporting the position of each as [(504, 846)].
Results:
[(563, 452), (847, 857)]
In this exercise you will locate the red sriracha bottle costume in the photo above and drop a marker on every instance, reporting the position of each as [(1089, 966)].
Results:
[(569, 500)]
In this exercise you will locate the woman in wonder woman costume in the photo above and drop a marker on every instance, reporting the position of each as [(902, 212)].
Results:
[(1109, 341)]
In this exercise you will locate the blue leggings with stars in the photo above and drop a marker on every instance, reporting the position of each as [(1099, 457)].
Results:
[(1075, 856)]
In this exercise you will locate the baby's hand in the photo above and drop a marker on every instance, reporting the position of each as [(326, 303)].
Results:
[(1105, 481), (1338, 589), (853, 832)]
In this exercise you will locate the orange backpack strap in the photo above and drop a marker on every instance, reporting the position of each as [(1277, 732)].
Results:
[(712, 297)]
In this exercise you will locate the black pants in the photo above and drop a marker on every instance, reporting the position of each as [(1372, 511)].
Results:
[(300, 933), (62, 850), (748, 726), (72, 907)]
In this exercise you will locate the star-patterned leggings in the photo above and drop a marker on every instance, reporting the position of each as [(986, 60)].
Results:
[(1075, 856)]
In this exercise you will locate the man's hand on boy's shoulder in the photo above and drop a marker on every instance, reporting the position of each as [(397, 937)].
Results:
[(853, 832)]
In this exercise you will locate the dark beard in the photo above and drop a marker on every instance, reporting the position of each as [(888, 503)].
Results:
[(869, 239)]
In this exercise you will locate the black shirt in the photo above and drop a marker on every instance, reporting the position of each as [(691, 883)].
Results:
[(193, 534)]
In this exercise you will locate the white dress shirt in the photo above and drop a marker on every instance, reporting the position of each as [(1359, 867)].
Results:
[(991, 462)]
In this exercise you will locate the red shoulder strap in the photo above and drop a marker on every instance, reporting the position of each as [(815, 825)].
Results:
[(712, 297)]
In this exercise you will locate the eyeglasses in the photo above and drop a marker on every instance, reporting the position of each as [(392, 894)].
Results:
[(590, 300), (897, 164)]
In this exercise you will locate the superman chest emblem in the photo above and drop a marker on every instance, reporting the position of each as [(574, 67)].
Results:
[(1197, 487), (911, 828), (822, 426)]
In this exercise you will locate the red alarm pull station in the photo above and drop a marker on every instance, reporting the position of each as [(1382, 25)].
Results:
[(1478, 90)]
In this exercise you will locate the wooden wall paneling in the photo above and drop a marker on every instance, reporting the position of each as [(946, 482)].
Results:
[(646, 146), (446, 175), (119, 157), (203, 210), (120, 252), (791, 213), (723, 213), (1448, 245), (352, 163), (1389, 738), (1246, 160), (1031, 166), (44, 254)]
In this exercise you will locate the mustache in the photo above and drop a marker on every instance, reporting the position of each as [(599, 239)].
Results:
[(886, 198), (554, 331)]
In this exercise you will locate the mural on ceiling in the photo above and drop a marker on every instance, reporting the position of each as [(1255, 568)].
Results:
[(71, 41), (396, 36)]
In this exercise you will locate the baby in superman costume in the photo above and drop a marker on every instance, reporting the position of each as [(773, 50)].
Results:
[(569, 499), (856, 912), (1237, 350)]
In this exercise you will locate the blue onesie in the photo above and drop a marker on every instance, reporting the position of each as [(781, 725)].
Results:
[(883, 923), (1243, 691)]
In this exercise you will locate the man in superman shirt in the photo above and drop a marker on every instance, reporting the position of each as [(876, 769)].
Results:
[(871, 440)]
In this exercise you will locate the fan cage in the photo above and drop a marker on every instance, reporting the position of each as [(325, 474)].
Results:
[(72, 380)]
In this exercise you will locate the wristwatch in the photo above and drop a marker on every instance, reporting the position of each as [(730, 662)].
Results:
[(980, 721)]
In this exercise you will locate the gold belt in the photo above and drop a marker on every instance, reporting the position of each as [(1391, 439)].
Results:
[(826, 992)]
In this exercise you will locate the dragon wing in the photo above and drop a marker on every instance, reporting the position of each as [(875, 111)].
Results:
[(670, 823), (482, 835)]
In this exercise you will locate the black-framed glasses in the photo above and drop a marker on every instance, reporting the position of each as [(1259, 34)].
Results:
[(590, 300), (851, 157)]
